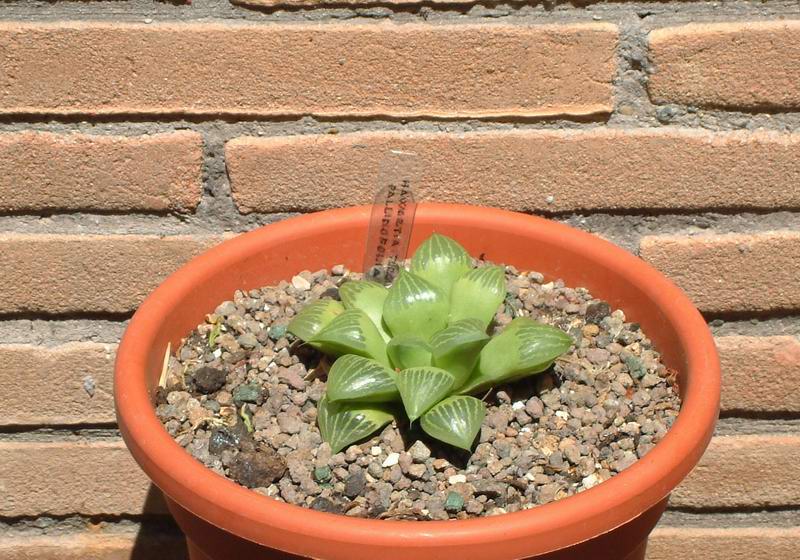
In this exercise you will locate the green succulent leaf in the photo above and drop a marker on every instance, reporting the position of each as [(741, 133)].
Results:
[(455, 420), (357, 379), (525, 347), (351, 332), (457, 347), (342, 424), (314, 317), (367, 296), (440, 261), (407, 351), (422, 387), (414, 307), (478, 294)]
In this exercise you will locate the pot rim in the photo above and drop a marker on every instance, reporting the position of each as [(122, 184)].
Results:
[(303, 531)]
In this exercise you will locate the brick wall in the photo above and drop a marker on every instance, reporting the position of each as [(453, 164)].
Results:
[(135, 133)]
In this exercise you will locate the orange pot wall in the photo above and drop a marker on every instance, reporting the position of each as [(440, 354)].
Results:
[(225, 520)]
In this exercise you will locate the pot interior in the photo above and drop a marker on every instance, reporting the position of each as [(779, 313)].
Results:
[(561, 253)]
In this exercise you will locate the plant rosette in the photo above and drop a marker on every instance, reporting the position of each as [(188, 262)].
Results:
[(422, 342)]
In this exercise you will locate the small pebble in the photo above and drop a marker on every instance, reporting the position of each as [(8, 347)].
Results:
[(249, 393), (391, 460), (276, 332), (222, 439), (301, 283), (416, 471), (419, 452), (534, 407), (590, 481), (324, 504), (454, 502), (355, 484), (322, 474), (597, 311)]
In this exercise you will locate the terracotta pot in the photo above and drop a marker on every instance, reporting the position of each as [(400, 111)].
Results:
[(608, 522)]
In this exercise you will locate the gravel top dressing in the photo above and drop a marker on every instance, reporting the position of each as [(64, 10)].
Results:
[(241, 397)]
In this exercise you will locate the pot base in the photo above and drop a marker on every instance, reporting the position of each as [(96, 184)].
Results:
[(196, 554), (620, 544)]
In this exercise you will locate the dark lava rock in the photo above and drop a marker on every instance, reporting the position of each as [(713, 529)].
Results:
[(220, 440), (258, 468), (596, 311), (354, 485), (209, 379), (326, 505), (489, 488)]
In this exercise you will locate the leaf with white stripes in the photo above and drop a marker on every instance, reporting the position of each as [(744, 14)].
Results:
[(441, 261), (367, 296), (525, 347), (342, 424), (478, 294), (407, 351), (357, 379), (314, 317), (414, 307), (456, 420), (457, 347), (351, 332), (422, 387)]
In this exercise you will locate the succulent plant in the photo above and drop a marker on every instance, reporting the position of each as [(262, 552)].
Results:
[(423, 343)]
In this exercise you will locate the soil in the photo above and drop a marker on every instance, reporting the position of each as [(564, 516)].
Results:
[(241, 395)]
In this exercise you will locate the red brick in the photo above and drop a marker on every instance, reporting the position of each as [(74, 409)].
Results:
[(73, 477), (731, 272), (752, 471), (288, 69), (760, 373), (600, 169), (43, 171), (55, 274), (92, 546), (33, 373), (743, 64), (745, 543)]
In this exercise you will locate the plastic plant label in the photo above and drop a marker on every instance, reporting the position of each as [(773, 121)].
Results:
[(392, 216)]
